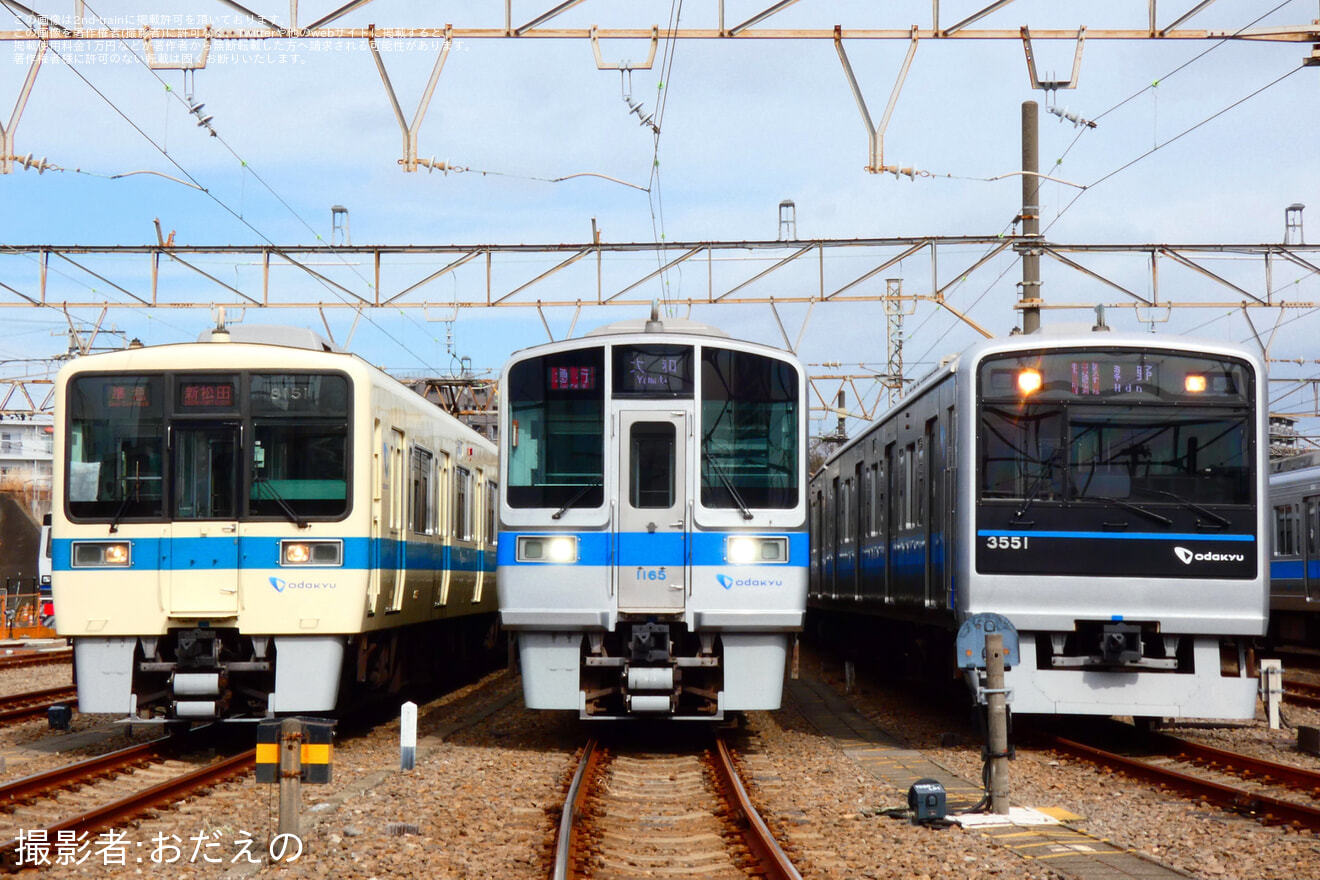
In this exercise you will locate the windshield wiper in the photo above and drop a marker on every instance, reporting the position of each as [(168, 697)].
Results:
[(1047, 467), (275, 496), (123, 505), (1190, 505), (114, 523), (1127, 505), (582, 493), (728, 484)]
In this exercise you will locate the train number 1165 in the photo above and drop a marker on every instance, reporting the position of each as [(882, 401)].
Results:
[(1006, 542)]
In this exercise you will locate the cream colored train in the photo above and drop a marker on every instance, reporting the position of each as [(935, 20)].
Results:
[(257, 524)]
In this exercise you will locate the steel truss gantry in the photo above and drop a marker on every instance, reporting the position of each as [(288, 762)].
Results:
[(147, 32), (1265, 282)]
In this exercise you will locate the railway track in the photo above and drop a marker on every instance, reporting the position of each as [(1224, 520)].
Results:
[(664, 811), (102, 792), (34, 704), (1301, 693), (1249, 792), (35, 658)]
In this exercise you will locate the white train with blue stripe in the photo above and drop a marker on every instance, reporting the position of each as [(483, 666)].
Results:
[(1104, 493), (653, 549), (1295, 566), (259, 524)]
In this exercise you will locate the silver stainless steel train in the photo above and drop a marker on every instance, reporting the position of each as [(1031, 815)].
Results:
[(1295, 566), (1105, 493), (243, 528), (653, 549)]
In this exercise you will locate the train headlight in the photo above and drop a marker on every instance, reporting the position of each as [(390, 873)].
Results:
[(755, 549), (1028, 381), (311, 552), (548, 548), (1194, 383), (102, 554)]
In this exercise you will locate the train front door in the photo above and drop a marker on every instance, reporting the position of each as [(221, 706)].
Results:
[(652, 528), (199, 548)]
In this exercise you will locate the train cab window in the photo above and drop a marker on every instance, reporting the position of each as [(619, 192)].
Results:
[(651, 482), (116, 461), (555, 441), (300, 443), (750, 424)]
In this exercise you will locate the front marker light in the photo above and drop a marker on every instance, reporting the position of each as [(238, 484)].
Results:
[(740, 551), (312, 552), (101, 554), (559, 549), (749, 549)]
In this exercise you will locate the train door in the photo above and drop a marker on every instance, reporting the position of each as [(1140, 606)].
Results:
[(379, 502), (202, 568), (480, 535), (929, 515), (1311, 568), (888, 527), (653, 516), (857, 528), (396, 536), (443, 492)]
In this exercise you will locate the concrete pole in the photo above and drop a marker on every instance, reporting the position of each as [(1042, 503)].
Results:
[(291, 742), (997, 707), (1031, 298)]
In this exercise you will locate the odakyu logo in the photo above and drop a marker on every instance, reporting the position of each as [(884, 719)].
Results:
[(280, 585), (729, 583), (1188, 557)]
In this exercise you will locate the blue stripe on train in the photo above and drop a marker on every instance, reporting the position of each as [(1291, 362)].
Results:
[(642, 548), (223, 552)]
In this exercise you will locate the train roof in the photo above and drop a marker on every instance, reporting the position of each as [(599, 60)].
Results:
[(1061, 335), (641, 330), (272, 334)]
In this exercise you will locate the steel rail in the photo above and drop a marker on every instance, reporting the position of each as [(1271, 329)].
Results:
[(42, 783), (36, 658), (1270, 810), (1301, 693), (1242, 765), (33, 704), (115, 812), (573, 807), (774, 863)]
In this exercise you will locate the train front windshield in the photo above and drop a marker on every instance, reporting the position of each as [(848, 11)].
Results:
[(749, 406), (1141, 427), (207, 446)]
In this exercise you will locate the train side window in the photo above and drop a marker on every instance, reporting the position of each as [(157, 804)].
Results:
[(492, 493), (1284, 545), (651, 483), (462, 502), (423, 515), (1312, 529)]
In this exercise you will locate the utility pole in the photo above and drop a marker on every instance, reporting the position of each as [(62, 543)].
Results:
[(1031, 298)]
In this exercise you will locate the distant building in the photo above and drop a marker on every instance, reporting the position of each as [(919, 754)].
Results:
[(27, 459)]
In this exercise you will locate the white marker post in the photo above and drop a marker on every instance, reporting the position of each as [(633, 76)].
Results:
[(408, 736), (1271, 680)]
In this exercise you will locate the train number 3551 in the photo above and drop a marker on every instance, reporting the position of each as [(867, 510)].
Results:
[(1007, 542)]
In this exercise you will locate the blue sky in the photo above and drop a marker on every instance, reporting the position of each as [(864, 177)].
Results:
[(745, 125)]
